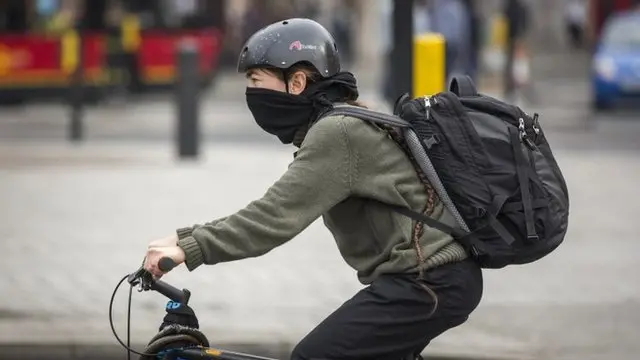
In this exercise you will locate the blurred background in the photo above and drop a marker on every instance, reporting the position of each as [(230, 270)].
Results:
[(104, 152)]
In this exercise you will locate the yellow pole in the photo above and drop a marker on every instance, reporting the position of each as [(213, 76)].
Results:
[(499, 30), (130, 33), (69, 56), (428, 64)]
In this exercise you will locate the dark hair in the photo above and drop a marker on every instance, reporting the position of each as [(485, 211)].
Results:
[(310, 72)]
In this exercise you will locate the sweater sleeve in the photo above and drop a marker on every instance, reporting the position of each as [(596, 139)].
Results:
[(320, 177), (187, 231)]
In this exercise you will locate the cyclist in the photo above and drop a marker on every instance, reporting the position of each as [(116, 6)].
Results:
[(420, 282)]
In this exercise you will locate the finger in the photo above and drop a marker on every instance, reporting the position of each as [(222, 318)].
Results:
[(153, 267), (148, 264), (156, 272)]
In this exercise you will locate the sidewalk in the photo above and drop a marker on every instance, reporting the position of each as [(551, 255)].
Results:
[(561, 104), (73, 227), (560, 86)]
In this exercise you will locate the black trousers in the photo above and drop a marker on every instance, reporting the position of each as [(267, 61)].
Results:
[(396, 316)]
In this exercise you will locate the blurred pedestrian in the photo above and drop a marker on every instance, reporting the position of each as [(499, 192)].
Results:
[(575, 19), (451, 19), (254, 18), (419, 282), (342, 24), (517, 16), (475, 30)]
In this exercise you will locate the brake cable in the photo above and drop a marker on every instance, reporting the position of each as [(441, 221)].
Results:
[(113, 329)]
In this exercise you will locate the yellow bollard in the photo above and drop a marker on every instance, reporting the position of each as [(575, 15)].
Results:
[(130, 33), (428, 64), (69, 56), (499, 30)]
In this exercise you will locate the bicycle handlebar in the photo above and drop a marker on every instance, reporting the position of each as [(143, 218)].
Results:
[(182, 296)]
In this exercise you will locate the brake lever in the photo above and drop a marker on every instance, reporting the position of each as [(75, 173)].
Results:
[(134, 278), (142, 278)]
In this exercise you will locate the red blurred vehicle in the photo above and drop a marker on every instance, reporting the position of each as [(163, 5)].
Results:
[(39, 42), (35, 53), (162, 25)]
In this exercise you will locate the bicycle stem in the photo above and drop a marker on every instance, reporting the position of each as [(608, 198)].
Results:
[(171, 292)]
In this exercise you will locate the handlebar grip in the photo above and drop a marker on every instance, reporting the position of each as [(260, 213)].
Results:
[(175, 294), (166, 264)]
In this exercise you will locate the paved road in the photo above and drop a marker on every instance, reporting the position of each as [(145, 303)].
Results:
[(74, 219)]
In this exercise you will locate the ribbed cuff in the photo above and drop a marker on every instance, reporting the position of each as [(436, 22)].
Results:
[(184, 232), (192, 252), (453, 252)]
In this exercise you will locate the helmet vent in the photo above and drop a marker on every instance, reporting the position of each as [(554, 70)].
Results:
[(285, 22)]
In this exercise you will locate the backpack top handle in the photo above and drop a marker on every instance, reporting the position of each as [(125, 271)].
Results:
[(463, 86)]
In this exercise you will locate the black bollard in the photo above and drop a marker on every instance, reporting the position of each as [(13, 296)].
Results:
[(76, 98), (402, 59), (187, 97)]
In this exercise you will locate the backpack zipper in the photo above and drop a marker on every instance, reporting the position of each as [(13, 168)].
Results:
[(523, 134), (427, 106), (536, 123), (536, 126)]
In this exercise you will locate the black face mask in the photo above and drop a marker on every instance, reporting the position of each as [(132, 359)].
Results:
[(283, 114), (279, 113)]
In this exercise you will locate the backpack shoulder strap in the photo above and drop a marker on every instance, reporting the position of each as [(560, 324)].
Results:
[(382, 118), (455, 232), (369, 115)]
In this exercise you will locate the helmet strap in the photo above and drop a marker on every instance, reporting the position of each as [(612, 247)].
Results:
[(285, 77)]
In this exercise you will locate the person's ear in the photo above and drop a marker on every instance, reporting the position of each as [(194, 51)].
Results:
[(297, 83)]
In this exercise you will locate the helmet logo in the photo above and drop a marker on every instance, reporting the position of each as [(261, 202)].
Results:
[(297, 45)]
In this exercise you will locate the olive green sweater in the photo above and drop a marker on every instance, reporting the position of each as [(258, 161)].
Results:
[(342, 163)]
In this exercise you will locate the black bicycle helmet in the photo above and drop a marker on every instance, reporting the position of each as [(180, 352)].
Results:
[(286, 43)]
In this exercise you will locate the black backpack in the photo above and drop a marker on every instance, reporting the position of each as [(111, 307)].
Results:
[(491, 166)]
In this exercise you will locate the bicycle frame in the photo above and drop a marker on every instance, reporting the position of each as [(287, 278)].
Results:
[(202, 353)]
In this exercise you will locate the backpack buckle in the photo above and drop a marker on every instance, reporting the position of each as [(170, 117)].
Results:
[(533, 238), (431, 141)]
